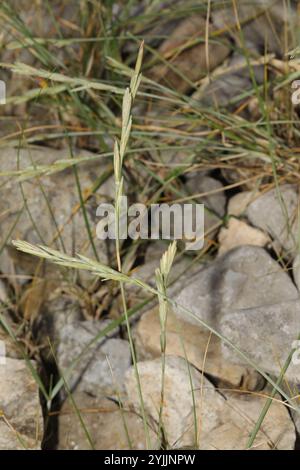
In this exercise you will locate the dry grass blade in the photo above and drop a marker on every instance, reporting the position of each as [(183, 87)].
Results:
[(27, 70)]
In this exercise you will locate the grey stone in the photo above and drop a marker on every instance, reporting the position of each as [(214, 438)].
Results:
[(4, 297), (109, 427), (265, 334), (238, 233), (92, 373), (277, 213), (21, 426), (224, 420), (59, 310), (178, 400), (12, 350), (214, 203), (196, 344), (295, 414), (238, 416), (238, 203), (58, 191), (296, 271), (40, 23), (268, 30), (190, 62), (228, 86), (215, 200), (264, 23), (244, 277)]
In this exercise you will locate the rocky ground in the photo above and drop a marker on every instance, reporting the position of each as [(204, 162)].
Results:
[(67, 379)]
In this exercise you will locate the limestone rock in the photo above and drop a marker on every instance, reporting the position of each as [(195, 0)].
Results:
[(59, 310), (92, 373), (244, 277), (201, 350), (224, 420), (177, 416), (238, 233), (296, 271), (52, 202), (239, 416), (9, 346), (238, 203), (191, 62), (265, 334), (277, 214), (213, 194), (105, 424), (21, 426)]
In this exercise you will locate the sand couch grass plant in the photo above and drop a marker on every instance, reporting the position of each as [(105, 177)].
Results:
[(223, 138)]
